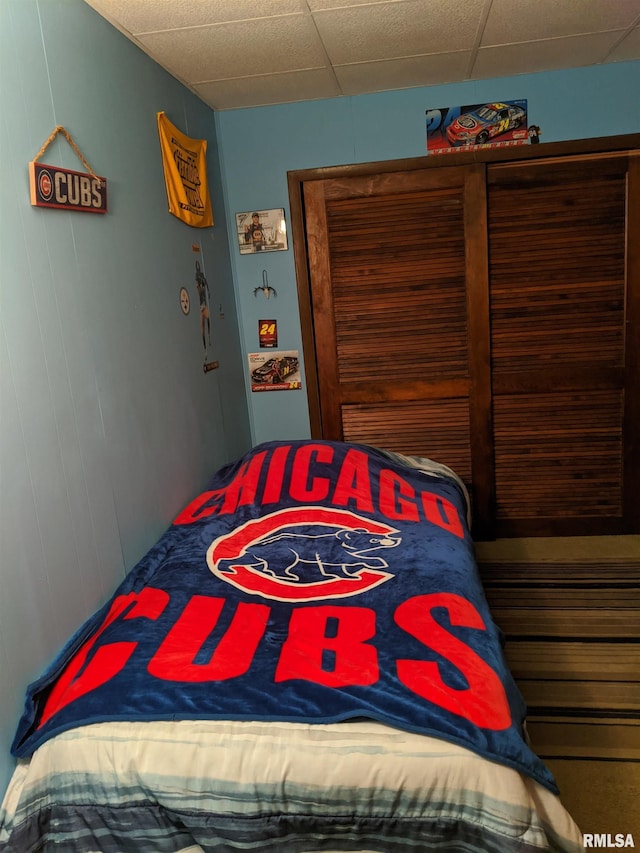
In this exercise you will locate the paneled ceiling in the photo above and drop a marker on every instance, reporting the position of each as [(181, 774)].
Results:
[(245, 53)]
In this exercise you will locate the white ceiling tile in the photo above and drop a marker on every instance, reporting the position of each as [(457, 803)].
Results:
[(529, 20), (365, 77), (374, 45), (531, 57), (241, 49), (145, 16), (270, 89), (628, 49), (391, 30)]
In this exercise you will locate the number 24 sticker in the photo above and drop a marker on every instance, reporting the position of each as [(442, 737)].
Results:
[(268, 333)]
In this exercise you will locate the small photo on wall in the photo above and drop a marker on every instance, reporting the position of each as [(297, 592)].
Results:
[(261, 231)]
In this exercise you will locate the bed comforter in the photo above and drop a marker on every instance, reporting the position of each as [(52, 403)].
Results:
[(304, 661)]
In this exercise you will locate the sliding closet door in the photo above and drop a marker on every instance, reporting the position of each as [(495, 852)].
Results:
[(398, 280), (564, 295)]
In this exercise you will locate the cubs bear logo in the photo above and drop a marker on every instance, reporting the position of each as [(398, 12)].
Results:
[(304, 554)]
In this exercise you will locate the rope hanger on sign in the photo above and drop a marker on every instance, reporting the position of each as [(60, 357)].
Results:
[(60, 129)]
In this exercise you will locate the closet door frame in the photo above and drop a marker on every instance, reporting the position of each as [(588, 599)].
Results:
[(631, 418), (628, 145), (298, 178)]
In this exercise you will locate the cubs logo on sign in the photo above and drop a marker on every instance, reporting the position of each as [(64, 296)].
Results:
[(304, 554), (45, 185)]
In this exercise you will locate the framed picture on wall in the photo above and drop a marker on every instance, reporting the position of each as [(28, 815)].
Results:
[(261, 231)]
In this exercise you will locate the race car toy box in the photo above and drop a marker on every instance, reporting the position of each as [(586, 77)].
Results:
[(486, 125)]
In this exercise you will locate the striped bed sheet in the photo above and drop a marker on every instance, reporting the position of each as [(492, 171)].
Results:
[(200, 786)]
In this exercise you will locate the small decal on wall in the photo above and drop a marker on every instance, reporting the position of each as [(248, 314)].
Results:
[(202, 288), (265, 288), (279, 371), (204, 314), (268, 333)]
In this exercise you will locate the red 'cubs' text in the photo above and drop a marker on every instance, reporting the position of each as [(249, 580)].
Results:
[(351, 640)]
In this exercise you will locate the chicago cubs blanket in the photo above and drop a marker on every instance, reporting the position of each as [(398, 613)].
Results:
[(312, 582)]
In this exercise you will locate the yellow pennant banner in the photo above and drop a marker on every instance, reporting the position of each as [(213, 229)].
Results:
[(185, 175)]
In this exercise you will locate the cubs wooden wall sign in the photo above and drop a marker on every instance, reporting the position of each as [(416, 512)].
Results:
[(66, 189), (53, 186)]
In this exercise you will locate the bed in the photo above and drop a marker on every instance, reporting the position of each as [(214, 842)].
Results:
[(304, 661)]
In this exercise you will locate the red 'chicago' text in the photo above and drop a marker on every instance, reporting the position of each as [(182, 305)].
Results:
[(269, 476)]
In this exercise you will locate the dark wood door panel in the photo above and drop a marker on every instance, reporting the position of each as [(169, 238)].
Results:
[(388, 300), (399, 294), (415, 429), (558, 462), (557, 265), (559, 284)]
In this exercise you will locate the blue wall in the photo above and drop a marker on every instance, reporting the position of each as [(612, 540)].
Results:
[(108, 422), (260, 145)]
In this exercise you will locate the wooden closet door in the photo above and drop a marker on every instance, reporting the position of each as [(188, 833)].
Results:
[(564, 297), (398, 279)]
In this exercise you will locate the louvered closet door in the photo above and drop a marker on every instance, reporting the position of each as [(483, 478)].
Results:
[(563, 238), (398, 275)]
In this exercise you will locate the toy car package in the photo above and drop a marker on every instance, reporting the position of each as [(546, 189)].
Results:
[(451, 129)]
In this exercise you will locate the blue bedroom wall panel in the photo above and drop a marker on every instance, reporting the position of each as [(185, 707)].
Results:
[(108, 422)]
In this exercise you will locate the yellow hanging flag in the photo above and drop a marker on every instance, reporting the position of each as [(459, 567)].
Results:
[(184, 161)]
